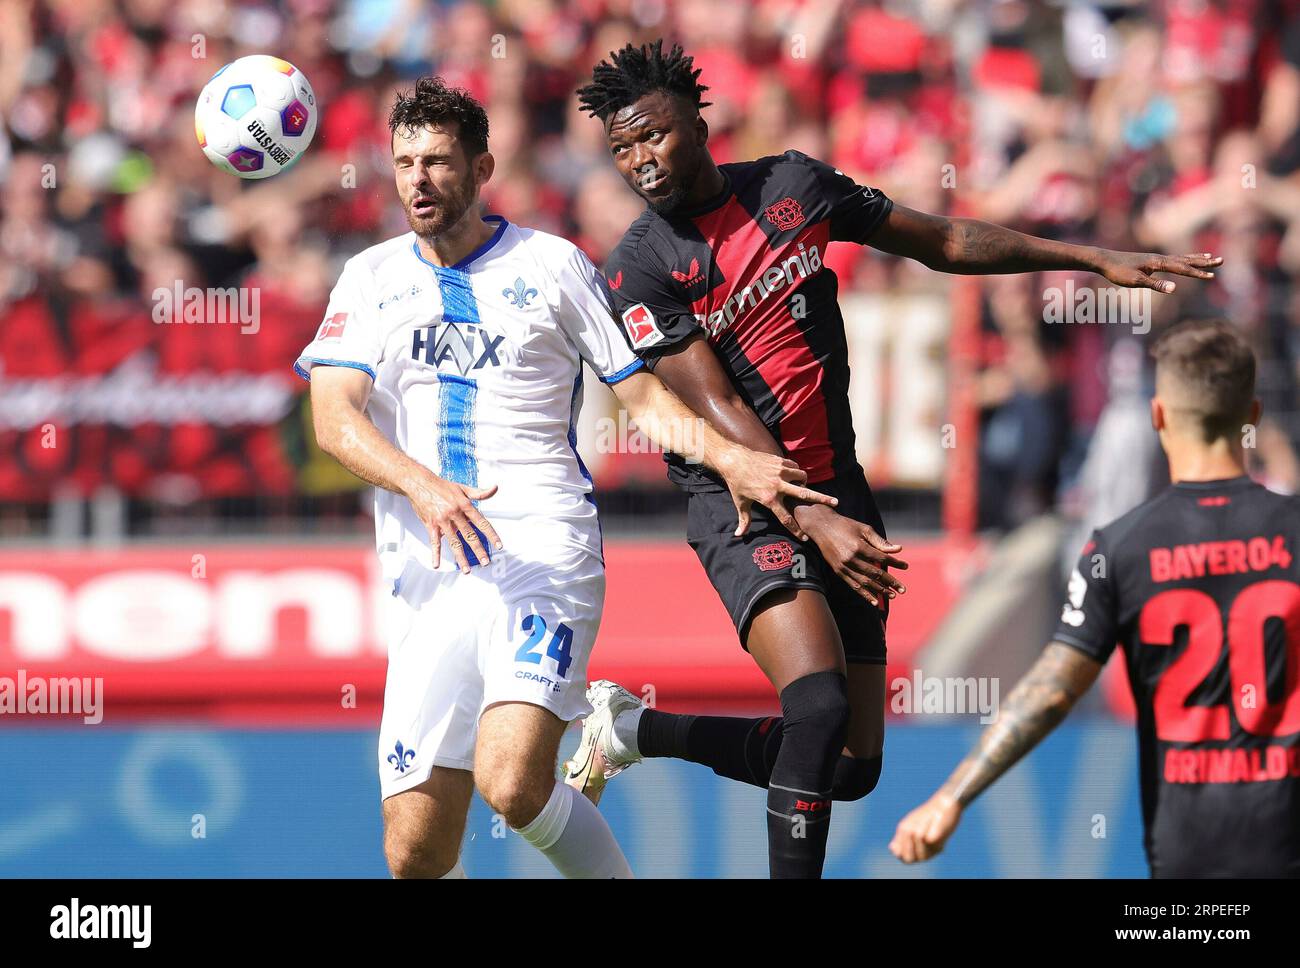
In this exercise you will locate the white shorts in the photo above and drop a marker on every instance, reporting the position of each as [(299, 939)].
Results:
[(518, 630)]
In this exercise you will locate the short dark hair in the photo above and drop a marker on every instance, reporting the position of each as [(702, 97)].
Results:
[(434, 103), (633, 72), (1213, 372)]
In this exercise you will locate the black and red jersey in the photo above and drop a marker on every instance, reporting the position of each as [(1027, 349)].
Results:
[(1201, 588), (747, 269)]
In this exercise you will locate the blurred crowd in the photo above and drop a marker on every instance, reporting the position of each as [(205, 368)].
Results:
[(1172, 126)]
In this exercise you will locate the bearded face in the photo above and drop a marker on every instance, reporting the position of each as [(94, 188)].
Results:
[(436, 182)]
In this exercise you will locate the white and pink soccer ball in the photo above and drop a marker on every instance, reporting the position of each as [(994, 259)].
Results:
[(256, 116)]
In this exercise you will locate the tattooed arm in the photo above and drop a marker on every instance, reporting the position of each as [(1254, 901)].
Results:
[(1035, 707), (968, 246)]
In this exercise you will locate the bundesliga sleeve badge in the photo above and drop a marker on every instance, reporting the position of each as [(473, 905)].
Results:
[(642, 329), (332, 327)]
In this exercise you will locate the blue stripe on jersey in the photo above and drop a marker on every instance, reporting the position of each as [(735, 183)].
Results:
[(321, 361), (456, 437), (624, 373), (457, 394), (456, 398), (457, 290)]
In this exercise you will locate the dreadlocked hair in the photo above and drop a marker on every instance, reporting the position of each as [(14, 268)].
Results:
[(636, 72)]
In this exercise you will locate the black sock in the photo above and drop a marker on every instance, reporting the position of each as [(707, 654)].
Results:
[(816, 710), (742, 749), (739, 749)]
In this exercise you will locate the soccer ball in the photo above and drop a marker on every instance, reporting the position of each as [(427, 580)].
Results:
[(256, 116)]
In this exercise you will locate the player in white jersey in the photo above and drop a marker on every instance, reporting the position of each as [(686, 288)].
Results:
[(448, 372)]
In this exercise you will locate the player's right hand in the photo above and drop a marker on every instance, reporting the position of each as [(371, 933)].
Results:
[(447, 510), (769, 480), (1137, 270), (856, 552), (923, 832)]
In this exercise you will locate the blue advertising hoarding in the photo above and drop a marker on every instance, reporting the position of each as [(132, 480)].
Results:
[(181, 802)]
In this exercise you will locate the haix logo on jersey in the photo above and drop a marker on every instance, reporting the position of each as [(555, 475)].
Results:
[(463, 347), (806, 263)]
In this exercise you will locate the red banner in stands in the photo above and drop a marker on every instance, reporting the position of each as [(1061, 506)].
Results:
[(294, 633)]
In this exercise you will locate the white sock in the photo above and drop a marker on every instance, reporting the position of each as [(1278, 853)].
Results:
[(623, 738), (457, 873), (575, 838)]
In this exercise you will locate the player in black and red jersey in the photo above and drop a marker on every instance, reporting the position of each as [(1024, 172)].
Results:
[(722, 289), (1201, 588)]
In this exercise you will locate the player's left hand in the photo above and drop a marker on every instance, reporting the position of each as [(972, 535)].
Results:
[(768, 480), (1134, 269), (923, 832)]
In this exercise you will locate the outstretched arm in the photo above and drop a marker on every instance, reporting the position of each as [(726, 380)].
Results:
[(968, 246), (751, 476), (1035, 707)]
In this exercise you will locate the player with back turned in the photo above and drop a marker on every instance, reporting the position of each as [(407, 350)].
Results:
[(722, 288), (1200, 587)]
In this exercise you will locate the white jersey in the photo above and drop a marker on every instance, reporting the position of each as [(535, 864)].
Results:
[(478, 374)]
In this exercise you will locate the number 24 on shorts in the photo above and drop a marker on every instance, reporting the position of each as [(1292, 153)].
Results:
[(557, 649)]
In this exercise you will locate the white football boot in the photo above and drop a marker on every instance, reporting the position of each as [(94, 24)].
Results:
[(596, 759)]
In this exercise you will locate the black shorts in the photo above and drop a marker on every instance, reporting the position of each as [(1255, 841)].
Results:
[(768, 558)]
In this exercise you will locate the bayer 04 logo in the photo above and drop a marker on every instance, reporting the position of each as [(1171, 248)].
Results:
[(256, 116)]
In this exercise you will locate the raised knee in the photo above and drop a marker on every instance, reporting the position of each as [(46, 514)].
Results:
[(855, 778), (817, 706)]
